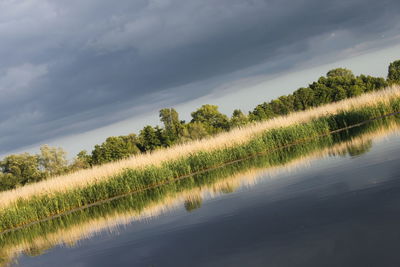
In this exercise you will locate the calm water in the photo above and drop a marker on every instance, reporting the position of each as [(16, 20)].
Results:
[(338, 210)]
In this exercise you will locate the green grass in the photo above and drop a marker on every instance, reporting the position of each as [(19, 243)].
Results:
[(139, 202), (39, 207)]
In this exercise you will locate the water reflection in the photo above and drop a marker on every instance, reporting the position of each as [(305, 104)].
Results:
[(189, 192)]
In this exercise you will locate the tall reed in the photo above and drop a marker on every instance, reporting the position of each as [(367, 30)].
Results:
[(72, 227), (22, 209), (224, 140)]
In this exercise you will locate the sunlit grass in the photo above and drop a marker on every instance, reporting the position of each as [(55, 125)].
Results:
[(65, 193), (69, 236), (234, 137)]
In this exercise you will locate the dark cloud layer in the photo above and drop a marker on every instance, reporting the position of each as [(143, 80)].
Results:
[(71, 66)]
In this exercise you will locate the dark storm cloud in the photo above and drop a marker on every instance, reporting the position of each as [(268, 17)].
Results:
[(70, 66)]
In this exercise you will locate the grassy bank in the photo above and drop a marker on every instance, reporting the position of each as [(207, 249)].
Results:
[(59, 195), (70, 228)]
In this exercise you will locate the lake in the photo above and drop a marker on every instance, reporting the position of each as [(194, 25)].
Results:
[(332, 202)]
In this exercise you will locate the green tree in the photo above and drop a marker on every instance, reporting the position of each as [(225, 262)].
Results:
[(53, 160), (322, 94), (283, 105), (115, 148), (340, 72), (149, 139), (172, 125), (262, 112), (354, 90), (372, 83), (165, 139), (257, 114), (82, 161), (238, 119), (303, 98), (8, 181), (21, 169), (394, 72), (338, 93), (210, 116), (194, 131)]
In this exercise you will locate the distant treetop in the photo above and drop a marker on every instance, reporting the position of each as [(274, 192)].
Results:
[(340, 72)]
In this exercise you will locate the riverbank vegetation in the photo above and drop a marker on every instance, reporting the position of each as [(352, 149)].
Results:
[(189, 192), (339, 84), (65, 193)]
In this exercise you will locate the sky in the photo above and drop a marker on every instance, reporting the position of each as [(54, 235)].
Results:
[(74, 72)]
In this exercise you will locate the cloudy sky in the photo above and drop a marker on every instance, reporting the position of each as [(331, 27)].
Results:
[(73, 67)]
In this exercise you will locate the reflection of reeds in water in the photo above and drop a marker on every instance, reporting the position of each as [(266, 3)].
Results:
[(191, 199), (229, 139), (251, 177), (70, 237)]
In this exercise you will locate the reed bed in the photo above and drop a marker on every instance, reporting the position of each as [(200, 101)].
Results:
[(65, 193), (224, 140), (69, 235)]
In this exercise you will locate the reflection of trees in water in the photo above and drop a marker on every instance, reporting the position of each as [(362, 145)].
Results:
[(353, 149), (227, 188), (36, 250), (357, 150), (193, 202)]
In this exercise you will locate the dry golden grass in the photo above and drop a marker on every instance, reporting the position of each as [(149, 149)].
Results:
[(236, 136), (112, 223)]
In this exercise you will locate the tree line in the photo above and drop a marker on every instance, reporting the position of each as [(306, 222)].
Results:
[(20, 169)]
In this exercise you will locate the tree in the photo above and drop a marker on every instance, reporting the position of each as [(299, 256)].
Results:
[(257, 114), (172, 125), (194, 131), (277, 106), (238, 118), (394, 72), (210, 116), (372, 83), (8, 181), (303, 98), (21, 169), (340, 72), (165, 140), (115, 148), (338, 93), (354, 90), (322, 94), (149, 139), (283, 105), (53, 160), (82, 161), (262, 112)]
